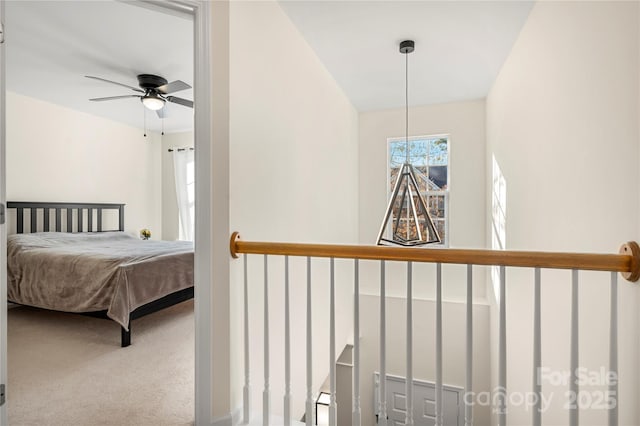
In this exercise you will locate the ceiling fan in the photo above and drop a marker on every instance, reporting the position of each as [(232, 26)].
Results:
[(154, 91)]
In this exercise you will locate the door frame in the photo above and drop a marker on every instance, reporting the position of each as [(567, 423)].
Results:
[(203, 138), (205, 191), (3, 227)]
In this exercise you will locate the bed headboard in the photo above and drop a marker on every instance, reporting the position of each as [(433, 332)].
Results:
[(40, 213)]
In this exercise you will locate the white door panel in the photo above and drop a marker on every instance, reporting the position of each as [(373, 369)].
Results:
[(424, 405)]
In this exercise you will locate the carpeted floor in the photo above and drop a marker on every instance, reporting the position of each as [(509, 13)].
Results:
[(70, 370)]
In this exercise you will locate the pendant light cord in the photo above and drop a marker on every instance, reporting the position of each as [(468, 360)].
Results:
[(406, 104)]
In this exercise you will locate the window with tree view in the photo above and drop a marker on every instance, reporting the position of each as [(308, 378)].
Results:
[(430, 157)]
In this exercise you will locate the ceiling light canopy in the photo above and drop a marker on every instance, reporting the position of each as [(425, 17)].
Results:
[(153, 102)]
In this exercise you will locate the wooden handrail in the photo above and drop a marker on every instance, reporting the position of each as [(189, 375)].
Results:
[(626, 262)]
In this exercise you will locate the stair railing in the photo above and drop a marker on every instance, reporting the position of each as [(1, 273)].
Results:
[(626, 262)]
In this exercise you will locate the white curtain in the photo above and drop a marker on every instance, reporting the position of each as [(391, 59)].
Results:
[(184, 167)]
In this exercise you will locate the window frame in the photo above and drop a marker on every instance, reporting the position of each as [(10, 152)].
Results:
[(191, 193), (446, 192)]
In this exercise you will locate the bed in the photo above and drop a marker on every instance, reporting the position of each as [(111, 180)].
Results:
[(65, 260)]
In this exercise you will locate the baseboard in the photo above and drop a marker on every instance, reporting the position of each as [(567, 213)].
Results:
[(231, 419), (226, 420), (236, 416)]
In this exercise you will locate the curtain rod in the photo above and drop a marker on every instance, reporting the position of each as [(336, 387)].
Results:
[(181, 149)]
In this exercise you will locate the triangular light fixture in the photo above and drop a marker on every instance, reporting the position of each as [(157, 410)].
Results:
[(407, 213)]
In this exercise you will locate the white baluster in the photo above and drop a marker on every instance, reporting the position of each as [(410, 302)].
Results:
[(502, 351), (382, 402), (409, 382), (266, 399), (356, 416), (247, 388), (309, 411), (613, 352), (573, 385), (468, 408), (333, 408), (287, 347), (439, 414), (537, 351)]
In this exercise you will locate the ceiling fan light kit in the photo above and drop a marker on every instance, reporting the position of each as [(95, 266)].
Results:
[(152, 102)]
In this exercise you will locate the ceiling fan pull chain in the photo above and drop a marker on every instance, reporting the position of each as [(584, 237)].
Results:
[(144, 120)]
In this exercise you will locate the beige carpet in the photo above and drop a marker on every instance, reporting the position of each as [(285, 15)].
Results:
[(70, 370)]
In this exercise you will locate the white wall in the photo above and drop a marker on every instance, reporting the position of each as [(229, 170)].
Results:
[(170, 216), (562, 122), (58, 154), (293, 165)]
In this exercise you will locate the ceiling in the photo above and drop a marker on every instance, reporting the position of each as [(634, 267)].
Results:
[(52, 45), (460, 46)]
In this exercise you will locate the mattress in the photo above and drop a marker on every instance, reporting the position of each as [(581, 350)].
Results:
[(88, 272)]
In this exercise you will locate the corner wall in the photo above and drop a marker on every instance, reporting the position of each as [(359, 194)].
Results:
[(294, 177), (562, 123)]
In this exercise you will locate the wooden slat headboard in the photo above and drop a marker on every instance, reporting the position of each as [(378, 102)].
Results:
[(45, 210)]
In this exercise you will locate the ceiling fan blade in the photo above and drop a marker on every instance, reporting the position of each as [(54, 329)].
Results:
[(114, 82), (174, 86), (162, 112), (109, 98), (180, 101)]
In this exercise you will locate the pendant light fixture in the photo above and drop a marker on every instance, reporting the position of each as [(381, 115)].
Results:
[(407, 218)]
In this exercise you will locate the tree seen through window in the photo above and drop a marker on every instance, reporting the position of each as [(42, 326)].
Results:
[(430, 157)]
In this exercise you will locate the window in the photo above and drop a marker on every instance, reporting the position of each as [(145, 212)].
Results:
[(430, 157), (184, 167), (498, 221), (191, 199)]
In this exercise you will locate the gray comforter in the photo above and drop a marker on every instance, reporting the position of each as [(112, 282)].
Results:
[(89, 272)]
